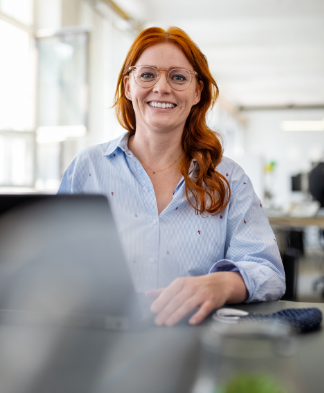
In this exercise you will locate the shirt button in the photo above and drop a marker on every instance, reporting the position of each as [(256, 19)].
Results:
[(151, 259), (154, 221)]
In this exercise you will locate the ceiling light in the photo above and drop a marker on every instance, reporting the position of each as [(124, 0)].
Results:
[(303, 125)]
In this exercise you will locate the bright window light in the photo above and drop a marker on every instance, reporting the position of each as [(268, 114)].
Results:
[(17, 79), (59, 133), (21, 10), (303, 125), (16, 159)]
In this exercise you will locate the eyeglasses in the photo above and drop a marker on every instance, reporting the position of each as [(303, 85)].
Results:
[(147, 76)]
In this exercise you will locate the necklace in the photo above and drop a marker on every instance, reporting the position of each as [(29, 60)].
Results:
[(161, 170)]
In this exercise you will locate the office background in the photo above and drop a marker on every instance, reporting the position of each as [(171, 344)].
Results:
[(59, 61)]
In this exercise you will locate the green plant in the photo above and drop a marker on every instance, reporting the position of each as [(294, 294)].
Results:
[(246, 383)]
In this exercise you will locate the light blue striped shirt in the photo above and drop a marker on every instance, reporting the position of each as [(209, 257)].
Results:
[(178, 242)]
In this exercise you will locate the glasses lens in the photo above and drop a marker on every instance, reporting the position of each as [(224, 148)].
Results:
[(179, 78), (146, 76)]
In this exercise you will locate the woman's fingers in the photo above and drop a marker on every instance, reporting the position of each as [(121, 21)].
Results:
[(155, 293), (204, 310), (208, 292), (184, 294), (174, 308), (167, 295), (185, 308)]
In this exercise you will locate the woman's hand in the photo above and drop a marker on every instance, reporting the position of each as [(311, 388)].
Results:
[(207, 292)]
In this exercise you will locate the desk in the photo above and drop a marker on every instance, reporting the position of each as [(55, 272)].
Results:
[(310, 356), (289, 232), (296, 222), (157, 360)]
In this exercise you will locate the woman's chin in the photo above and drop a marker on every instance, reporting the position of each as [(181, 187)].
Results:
[(163, 127), (164, 124)]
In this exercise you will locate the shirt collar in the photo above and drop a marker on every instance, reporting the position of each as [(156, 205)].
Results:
[(120, 142)]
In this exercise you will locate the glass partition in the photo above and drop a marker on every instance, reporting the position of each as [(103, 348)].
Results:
[(62, 81)]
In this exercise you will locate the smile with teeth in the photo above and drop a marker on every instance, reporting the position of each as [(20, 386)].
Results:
[(163, 105)]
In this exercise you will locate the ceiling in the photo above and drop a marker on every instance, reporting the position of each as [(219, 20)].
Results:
[(262, 53)]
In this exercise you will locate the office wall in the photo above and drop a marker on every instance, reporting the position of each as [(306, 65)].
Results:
[(292, 151)]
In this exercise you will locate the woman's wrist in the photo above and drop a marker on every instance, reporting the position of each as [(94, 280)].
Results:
[(233, 286), (237, 291)]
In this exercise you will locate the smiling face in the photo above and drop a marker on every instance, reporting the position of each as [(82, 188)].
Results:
[(161, 108)]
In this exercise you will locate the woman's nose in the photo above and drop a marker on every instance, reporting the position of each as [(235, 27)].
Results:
[(162, 85)]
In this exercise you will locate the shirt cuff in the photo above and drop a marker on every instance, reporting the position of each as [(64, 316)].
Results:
[(261, 282), (223, 265)]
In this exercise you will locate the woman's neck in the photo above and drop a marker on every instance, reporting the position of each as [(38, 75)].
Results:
[(156, 149)]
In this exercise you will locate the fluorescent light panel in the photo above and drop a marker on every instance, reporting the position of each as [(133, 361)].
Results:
[(303, 125)]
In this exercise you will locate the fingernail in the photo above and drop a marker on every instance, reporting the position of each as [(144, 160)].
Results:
[(193, 321)]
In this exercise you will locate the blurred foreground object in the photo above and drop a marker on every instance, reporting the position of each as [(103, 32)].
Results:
[(248, 357), (60, 256), (61, 272)]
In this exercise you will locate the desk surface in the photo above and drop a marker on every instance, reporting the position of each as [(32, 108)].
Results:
[(310, 355), (157, 360), (297, 221)]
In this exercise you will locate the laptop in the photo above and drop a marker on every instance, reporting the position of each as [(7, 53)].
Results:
[(61, 261)]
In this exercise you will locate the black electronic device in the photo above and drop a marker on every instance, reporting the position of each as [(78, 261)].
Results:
[(61, 260), (296, 182), (316, 183)]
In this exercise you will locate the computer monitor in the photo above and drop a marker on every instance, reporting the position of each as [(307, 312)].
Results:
[(316, 183), (296, 182)]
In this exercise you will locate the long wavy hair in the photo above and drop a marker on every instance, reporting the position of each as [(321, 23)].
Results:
[(210, 191)]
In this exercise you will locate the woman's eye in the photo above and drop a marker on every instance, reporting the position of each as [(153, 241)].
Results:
[(178, 78), (147, 75)]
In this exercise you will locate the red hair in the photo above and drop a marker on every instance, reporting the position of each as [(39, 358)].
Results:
[(210, 192)]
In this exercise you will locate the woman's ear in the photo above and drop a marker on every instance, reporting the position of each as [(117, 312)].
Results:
[(127, 88), (199, 89)]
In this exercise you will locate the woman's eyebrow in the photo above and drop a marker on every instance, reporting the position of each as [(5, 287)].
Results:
[(170, 68)]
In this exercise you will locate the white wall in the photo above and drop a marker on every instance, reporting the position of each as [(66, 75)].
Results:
[(292, 151)]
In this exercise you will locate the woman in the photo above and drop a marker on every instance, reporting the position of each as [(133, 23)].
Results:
[(194, 232)]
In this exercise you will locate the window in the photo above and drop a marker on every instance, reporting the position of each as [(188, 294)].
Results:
[(17, 79), (17, 94), (19, 10)]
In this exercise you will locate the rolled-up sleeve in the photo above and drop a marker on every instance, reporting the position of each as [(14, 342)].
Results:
[(251, 246)]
